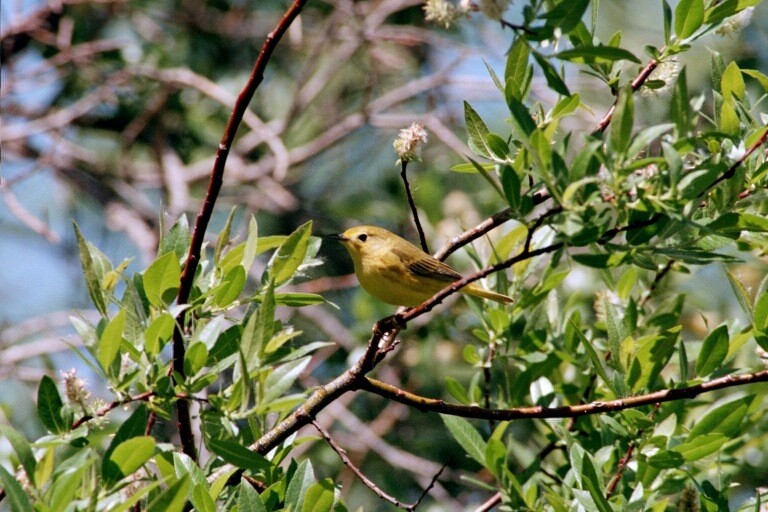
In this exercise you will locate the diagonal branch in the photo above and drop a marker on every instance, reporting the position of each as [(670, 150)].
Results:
[(638, 82), (204, 216)]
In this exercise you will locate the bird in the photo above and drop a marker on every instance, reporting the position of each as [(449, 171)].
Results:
[(397, 272)]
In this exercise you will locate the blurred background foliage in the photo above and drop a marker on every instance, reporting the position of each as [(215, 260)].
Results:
[(112, 112)]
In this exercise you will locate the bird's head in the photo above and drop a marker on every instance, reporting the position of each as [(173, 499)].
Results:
[(362, 241)]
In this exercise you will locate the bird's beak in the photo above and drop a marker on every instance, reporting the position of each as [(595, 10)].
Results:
[(340, 238)]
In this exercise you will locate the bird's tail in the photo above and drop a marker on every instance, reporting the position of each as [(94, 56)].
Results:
[(477, 291)]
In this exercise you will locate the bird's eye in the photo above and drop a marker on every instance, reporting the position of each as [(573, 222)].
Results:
[(362, 237)]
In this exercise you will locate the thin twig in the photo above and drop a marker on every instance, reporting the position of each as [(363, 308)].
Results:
[(517, 27), (412, 204), (428, 488), (732, 169), (143, 397), (342, 453), (616, 478), (656, 281), (638, 82)]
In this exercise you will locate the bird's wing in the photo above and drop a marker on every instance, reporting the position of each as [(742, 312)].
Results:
[(434, 269)]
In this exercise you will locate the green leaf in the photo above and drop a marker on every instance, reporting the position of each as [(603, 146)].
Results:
[(713, 351), (760, 77), (467, 437), (134, 426), (521, 117), (259, 328), (601, 260), (157, 334), (251, 247), (282, 378), (22, 449), (729, 119), (477, 130), (471, 168), (161, 279), (761, 312), (494, 76), (195, 358), (498, 147), (666, 459), (177, 240), (92, 277), (297, 299), (566, 105), (289, 256), (110, 340), (49, 406), (127, 457), (695, 256), (495, 456), (732, 82), (517, 69), (689, 16), (554, 80), (653, 352), (300, 483), (735, 222), (727, 8), (701, 446), (201, 499), (320, 497), (510, 184), (741, 293), (223, 239), (230, 287), (17, 498), (172, 499), (491, 181), (238, 455), (248, 500), (694, 183), (680, 109), (622, 122), (566, 15), (725, 419), (587, 477), (457, 391), (597, 54), (597, 363)]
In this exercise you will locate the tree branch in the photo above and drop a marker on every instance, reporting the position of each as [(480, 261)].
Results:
[(470, 411), (206, 210), (638, 82)]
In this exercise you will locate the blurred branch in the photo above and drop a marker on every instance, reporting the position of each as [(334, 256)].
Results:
[(64, 117), (26, 217)]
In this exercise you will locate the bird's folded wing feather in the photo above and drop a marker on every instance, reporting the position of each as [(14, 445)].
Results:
[(434, 269)]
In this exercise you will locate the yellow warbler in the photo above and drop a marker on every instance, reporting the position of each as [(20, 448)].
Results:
[(397, 272)]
